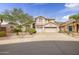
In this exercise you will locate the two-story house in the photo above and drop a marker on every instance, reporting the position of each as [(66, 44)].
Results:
[(43, 24)]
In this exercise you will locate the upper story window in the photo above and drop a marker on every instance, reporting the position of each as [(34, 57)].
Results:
[(39, 20)]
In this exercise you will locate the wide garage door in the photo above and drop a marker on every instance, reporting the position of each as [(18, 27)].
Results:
[(50, 29)]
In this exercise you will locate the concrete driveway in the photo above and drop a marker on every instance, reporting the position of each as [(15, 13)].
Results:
[(40, 44)]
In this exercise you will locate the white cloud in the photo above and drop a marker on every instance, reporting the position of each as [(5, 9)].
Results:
[(70, 9), (71, 5), (66, 17), (63, 18)]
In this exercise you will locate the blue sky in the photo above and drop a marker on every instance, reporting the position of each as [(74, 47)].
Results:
[(59, 11)]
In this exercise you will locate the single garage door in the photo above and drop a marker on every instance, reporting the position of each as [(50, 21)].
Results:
[(50, 29), (39, 29)]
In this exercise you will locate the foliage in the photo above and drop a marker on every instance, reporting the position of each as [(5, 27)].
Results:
[(60, 31), (32, 31), (76, 17), (2, 17), (17, 30), (2, 33), (18, 18)]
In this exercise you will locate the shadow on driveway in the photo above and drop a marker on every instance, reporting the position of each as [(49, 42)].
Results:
[(41, 48)]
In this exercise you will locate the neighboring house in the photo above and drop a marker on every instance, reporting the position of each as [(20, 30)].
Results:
[(70, 26), (43, 24), (6, 27)]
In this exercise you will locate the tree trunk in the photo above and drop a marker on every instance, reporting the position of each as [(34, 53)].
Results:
[(17, 33), (0, 26)]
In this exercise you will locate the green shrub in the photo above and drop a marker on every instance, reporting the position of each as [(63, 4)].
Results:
[(17, 30), (32, 31), (68, 33), (2, 33), (60, 31)]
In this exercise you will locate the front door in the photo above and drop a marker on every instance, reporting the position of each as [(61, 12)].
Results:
[(70, 28)]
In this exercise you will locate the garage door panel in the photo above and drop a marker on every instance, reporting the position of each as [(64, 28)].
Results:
[(50, 30), (39, 30)]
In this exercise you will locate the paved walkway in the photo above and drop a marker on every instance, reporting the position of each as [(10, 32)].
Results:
[(40, 43)]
